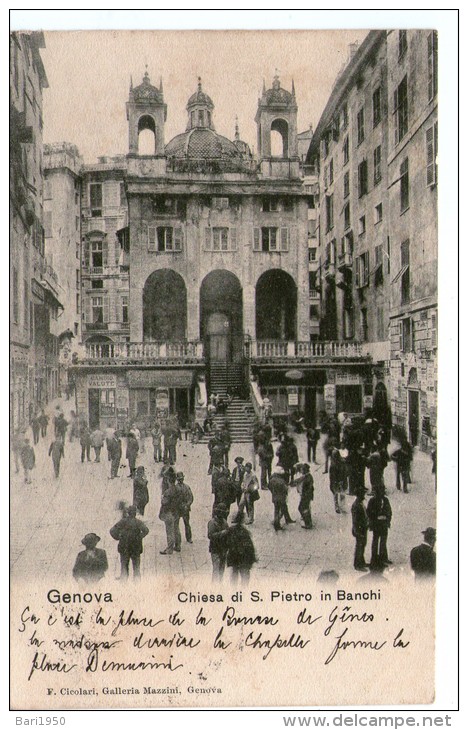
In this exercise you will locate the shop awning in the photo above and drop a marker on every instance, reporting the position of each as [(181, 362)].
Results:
[(160, 378)]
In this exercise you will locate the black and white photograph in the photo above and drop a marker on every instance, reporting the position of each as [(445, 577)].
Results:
[(223, 363)]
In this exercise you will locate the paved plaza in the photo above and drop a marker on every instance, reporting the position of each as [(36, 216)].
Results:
[(50, 516)]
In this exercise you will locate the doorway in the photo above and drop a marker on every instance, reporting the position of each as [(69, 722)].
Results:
[(413, 416), (221, 317), (93, 408)]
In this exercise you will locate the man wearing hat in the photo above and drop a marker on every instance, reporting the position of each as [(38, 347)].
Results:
[(218, 530), (129, 532), (185, 501), (423, 557), (90, 564), (359, 530), (237, 476)]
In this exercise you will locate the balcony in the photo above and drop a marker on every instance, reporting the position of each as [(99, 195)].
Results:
[(142, 353), (345, 260), (329, 269), (282, 351)]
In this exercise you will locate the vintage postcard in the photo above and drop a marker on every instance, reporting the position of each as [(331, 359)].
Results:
[(224, 341)]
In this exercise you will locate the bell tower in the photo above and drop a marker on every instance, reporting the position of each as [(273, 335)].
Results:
[(146, 110), (277, 122)]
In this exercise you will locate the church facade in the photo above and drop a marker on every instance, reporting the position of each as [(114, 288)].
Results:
[(214, 251)]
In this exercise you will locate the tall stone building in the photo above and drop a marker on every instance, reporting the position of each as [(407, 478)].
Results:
[(217, 255), (412, 201), (34, 296), (376, 144), (62, 231)]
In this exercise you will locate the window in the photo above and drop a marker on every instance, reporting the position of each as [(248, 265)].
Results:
[(400, 110), (331, 171), (167, 205), (345, 116), (288, 204), (106, 402), (360, 126), (377, 165), (406, 334), (325, 146), (77, 250), (378, 268), (269, 204), (346, 150), (376, 107), (123, 195), (348, 323), (404, 186), (15, 295), (98, 260), (95, 199), (220, 203), (432, 65), (329, 211), (77, 223), (312, 281), (221, 239), (434, 330), (125, 310), (164, 239), (361, 270), (362, 225), (77, 303), (347, 216), (97, 284), (346, 185), (330, 253), (378, 213), (364, 325), (97, 310), (271, 239), (405, 269), (48, 223), (312, 254), (431, 155), (362, 179), (77, 278), (402, 44)]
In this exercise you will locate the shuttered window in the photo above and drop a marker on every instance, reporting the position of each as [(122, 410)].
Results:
[(165, 239), (431, 155)]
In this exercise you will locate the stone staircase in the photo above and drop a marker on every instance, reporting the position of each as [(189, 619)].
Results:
[(240, 413)]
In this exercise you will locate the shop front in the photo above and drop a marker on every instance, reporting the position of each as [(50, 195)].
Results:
[(160, 393)]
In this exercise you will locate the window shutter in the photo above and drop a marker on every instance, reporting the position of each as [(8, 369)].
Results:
[(395, 115), (356, 271), (273, 239), (178, 239), (208, 239), (86, 254), (436, 130), (430, 156), (105, 248), (366, 267), (152, 238), (88, 310), (400, 324), (233, 239), (105, 309), (285, 239), (256, 239)]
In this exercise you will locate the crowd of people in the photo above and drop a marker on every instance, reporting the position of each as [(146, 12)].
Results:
[(350, 447)]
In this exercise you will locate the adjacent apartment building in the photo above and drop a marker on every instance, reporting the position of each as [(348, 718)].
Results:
[(376, 145)]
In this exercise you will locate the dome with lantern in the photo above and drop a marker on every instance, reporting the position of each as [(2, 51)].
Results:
[(146, 91)]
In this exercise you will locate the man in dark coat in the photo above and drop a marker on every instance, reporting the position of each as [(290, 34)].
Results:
[(114, 450), (185, 504), (57, 453), (279, 495), (360, 527), (85, 443), (36, 428), (379, 514), (237, 477), (223, 489), (305, 487), (216, 449), (91, 564), (265, 455), (313, 437), (241, 551), (43, 422), (129, 532), (423, 557), (132, 452), (28, 460), (140, 490), (226, 440), (169, 510), (217, 535)]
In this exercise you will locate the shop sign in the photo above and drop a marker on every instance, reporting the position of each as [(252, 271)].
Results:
[(293, 399), (101, 380), (329, 395)]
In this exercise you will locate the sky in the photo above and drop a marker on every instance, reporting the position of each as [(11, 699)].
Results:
[(89, 76)]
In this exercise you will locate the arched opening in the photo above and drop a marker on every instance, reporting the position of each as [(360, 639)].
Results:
[(221, 316), (275, 306), (164, 307), (146, 135), (279, 138), (381, 408)]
